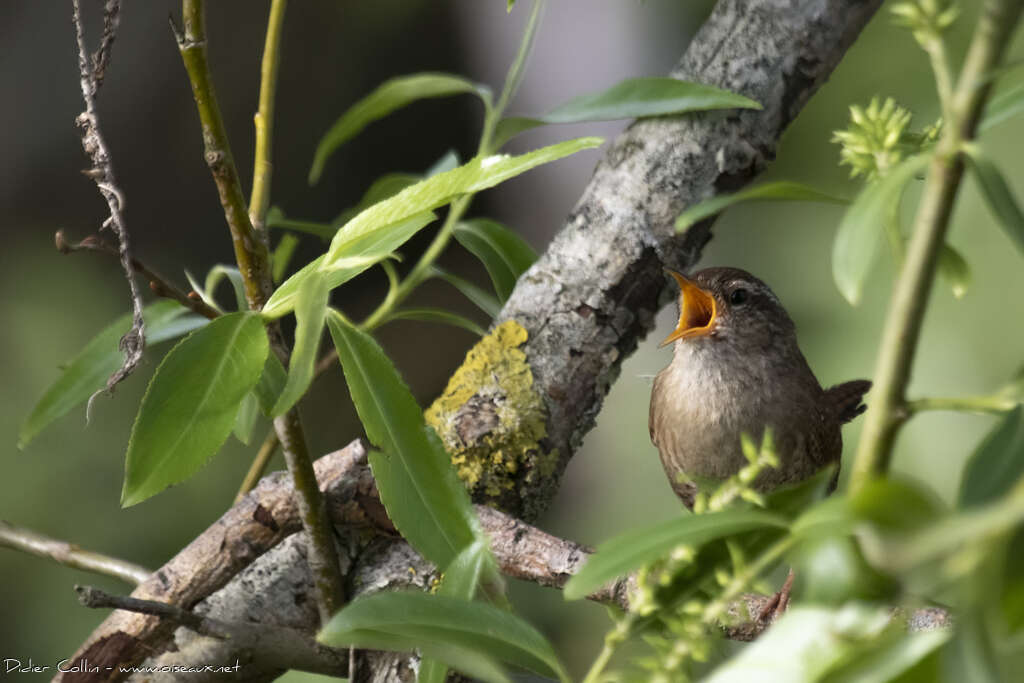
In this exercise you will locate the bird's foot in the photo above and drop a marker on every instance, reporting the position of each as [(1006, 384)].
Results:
[(778, 603)]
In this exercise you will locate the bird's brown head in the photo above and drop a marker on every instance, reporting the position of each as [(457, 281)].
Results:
[(729, 304)]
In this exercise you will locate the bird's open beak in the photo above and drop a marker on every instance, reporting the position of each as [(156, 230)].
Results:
[(697, 310)]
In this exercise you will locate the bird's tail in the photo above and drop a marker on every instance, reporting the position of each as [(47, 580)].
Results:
[(846, 398)]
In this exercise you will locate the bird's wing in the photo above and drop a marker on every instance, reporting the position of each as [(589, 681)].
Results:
[(846, 398)]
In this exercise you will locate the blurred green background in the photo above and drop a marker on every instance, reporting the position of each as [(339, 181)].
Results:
[(67, 482)]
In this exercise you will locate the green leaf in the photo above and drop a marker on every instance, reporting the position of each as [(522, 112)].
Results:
[(87, 372), (889, 659), (438, 315), (512, 126), (245, 421), (856, 242), (998, 194), (414, 474), (478, 174), (954, 270), (191, 403), (283, 255), (460, 580), (640, 97), (998, 463), (851, 644), (361, 253), (389, 96), (277, 219), (310, 312), (382, 188), (620, 555), (485, 301), (782, 190), (1004, 106), (504, 254), (220, 272), (439, 626), (271, 384)]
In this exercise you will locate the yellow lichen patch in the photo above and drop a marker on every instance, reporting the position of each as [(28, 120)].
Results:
[(491, 419)]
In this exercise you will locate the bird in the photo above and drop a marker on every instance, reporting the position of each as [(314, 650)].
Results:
[(737, 370)]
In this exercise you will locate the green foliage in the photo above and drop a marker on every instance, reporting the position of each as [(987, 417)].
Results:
[(857, 239), (414, 475), (998, 194), (87, 372), (310, 312), (781, 190), (477, 174), (642, 97), (504, 254), (471, 637), (190, 406), (437, 315), (997, 464), (389, 96), (926, 19), (485, 301)]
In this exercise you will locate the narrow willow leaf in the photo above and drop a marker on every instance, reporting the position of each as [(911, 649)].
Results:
[(310, 311), (221, 272), (438, 315), (361, 253), (998, 194), (639, 97), (855, 246), (283, 256), (512, 126), (414, 474), (382, 188), (485, 301), (889, 659), (87, 372), (245, 421), (271, 384), (780, 191), (201, 292), (389, 96), (191, 403), (478, 174), (430, 623), (504, 254), (460, 580), (1003, 107), (954, 270), (804, 644), (622, 554), (277, 219), (997, 464)]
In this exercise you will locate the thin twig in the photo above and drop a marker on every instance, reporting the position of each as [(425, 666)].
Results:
[(158, 284), (253, 256), (90, 71), (986, 405), (69, 554), (910, 294), (259, 464), (280, 647), (259, 201)]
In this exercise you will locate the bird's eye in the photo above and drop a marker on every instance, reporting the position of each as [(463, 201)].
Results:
[(739, 296)]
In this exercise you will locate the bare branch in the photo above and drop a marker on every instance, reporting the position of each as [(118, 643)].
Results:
[(102, 173), (160, 286), (69, 554)]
